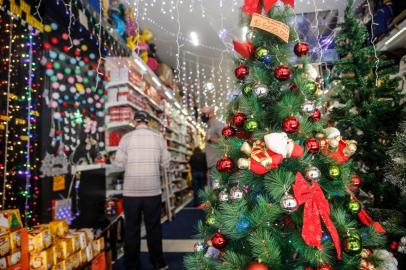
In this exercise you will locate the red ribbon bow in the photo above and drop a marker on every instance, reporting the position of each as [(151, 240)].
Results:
[(367, 220), (315, 206), (244, 49), (254, 6)]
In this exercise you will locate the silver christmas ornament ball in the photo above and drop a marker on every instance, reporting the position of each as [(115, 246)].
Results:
[(215, 184), (250, 36), (223, 196), (308, 107), (198, 246), (313, 173), (289, 203), (236, 193), (260, 90)]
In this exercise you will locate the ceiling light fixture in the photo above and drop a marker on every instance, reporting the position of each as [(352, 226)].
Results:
[(194, 39), (244, 33)]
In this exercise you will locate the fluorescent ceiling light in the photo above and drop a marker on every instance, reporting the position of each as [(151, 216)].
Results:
[(141, 65), (244, 33), (395, 36), (157, 82), (194, 38)]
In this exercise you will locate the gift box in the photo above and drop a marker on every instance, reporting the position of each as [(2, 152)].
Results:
[(89, 252), (59, 228), (54, 254), (42, 260), (59, 266), (4, 245), (75, 259), (74, 241), (64, 248), (15, 241), (68, 263), (10, 220), (82, 238), (39, 239), (98, 246), (3, 263), (89, 234), (83, 256)]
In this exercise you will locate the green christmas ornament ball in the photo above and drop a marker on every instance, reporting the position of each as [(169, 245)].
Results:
[(210, 220), (251, 125), (247, 90), (334, 171), (354, 206), (260, 53), (352, 244)]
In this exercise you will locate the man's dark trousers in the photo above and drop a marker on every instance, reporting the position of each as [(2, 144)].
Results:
[(150, 208)]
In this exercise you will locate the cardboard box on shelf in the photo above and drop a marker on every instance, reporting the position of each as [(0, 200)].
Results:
[(89, 233), (35, 240), (83, 256), (41, 260), (3, 263), (75, 259), (14, 258), (15, 240), (89, 252), (75, 241), (10, 220), (64, 248), (59, 228), (68, 264), (82, 238), (4, 245), (59, 266)]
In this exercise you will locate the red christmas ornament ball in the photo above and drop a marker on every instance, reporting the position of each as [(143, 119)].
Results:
[(356, 182), (242, 135), (54, 40), (312, 145), (282, 72), (225, 164), (241, 72), (325, 267), (239, 119), (315, 116), (257, 266), (228, 132), (219, 241), (394, 245), (301, 48), (290, 124)]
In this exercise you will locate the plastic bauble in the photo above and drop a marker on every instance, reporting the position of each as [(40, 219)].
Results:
[(282, 72), (290, 124), (199, 246), (239, 119), (308, 107), (315, 116), (243, 225), (313, 173), (356, 182), (267, 59), (236, 193), (325, 267), (210, 220), (228, 132), (251, 125), (215, 184), (257, 266), (219, 241), (260, 53), (241, 72), (250, 36), (311, 72), (352, 245), (289, 203), (311, 86), (260, 90), (312, 145), (354, 206), (247, 90), (334, 171), (212, 252), (301, 48), (223, 196), (225, 164)]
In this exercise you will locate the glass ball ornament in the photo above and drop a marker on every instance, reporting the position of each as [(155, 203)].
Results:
[(236, 193), (241, 72), (239, 119), (225, 164), (212, 252), (260, 90), (257, 266), (251, 125), (312, 145), (289, 203), (247, 90), (210, 220), (219, 241), (223, 196), (354, 206), (315, 116), (308, 107), (282, 72), (198, 246), (334, 171), (290, 124), (356, 182), (352, 244), (267, 59), (325, 267), (250, 36), (260, 53), (311, 86), (243, 225), (313, 173), (301, 48), (228, 132)]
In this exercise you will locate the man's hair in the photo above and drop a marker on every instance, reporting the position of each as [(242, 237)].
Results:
[(141, 116)]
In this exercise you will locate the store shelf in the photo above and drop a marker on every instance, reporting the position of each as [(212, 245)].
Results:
[(179, 189), (395, 39), (110, 168), (177, 150), (113, 192), (179, 161), (127, 125), (183, 205)]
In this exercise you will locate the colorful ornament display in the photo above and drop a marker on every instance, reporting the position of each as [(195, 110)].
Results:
[(241, 72), (251, 125), (315, 116), (212, 252), (257, 266), (243, 225), (260, 90), (312, 145), (334, 171), (225, 164), (247, 90), (228, 132), (290, 124), (239, 119), (289, 203), (313, 173), (236, 193), (301, 48), (354, 206), (282, 73), (219, 241)]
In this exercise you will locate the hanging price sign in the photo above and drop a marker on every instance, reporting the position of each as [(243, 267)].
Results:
[(272, 26)]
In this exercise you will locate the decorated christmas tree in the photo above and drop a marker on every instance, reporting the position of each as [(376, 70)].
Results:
[(367, 105), (284, 195)]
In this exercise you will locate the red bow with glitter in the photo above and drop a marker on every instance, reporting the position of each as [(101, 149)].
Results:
[(315, 207), (254, 6), (244, 49), (367, 220)]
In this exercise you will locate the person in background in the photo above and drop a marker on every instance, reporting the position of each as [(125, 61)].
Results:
[(142, 153), (198, 164), (213, 136)]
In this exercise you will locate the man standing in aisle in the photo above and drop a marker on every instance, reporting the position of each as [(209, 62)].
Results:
[(141, 153), (213, 136)]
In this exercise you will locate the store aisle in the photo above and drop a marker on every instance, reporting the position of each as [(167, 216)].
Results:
[(177, 239)]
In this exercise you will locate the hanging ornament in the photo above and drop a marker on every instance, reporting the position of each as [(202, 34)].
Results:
[(241, 72), (247, 90), (334, 171), (313, 173), (198, 246), (257, 266), (308, 107), (312, 145), (228, 132), (219, 241), (282, 72), (352, 244), (250, 36), (289, 203), (325, 267), (260, 90), (301, 48), (210, 220), (260, 53), (355, 182), (225, 164), (215, 184), (267, 59), (243, 225), (311, 86), (354, 206), (251, 125), (315, 116), (223, 196), (212, 252), (236, 193), (239, 119), (290, 124)]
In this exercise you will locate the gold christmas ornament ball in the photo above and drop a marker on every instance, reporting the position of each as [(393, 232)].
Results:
[(352, 245), (354, 206)]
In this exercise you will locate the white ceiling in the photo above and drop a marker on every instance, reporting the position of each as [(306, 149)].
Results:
[(172, 21)]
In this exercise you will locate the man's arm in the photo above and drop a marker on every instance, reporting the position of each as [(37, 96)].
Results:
[(121, 154)]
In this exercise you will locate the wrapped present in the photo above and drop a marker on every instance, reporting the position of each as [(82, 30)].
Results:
[(64, 248), (59, 266), (35, 240), (10, 220), (83, 256), (59, 228), (75, 259), (89, 252), (69, 264), (89, 234), (98, 246), (15, 241), (74, 240), (82, 238), (42, 260), (3, 263), (4, 245), (14, 258)]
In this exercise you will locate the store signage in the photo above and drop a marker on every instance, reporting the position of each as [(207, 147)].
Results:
[(272, 26)]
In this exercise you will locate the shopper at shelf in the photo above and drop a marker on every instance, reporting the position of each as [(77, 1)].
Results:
[(142, 153), (198, 164), (213, 136)]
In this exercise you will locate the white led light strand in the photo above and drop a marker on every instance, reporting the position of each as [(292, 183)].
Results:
[(373, 43)]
